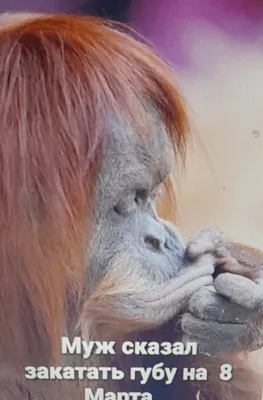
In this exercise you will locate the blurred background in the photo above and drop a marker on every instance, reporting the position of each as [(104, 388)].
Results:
[(116, 9)]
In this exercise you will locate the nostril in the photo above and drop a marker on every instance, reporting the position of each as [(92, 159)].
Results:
[(152, 243), (167, 245)]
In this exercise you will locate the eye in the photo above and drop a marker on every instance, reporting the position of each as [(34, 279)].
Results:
[(130, 203), (126, 205), (119, 209), (141, 196)]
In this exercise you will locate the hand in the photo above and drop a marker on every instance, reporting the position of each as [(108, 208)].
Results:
[(227, 315)]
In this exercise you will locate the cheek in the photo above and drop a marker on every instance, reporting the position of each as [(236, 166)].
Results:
[(118, 238), (108, 238)]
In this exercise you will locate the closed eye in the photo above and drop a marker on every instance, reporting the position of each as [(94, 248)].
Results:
[(141, 198), (141, 195), (146, 194)]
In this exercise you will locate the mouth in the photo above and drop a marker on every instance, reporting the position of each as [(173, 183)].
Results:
[(179, 288)]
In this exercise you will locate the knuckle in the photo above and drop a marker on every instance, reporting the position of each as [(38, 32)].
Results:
[(205, 241)]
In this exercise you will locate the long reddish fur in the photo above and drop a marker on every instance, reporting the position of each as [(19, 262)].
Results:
[(60, 77)]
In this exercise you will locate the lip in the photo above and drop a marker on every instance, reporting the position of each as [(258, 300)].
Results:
[(185, 283)]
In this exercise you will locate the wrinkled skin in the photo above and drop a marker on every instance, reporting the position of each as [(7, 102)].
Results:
[(154, 275), (142, 255), (227, 315)]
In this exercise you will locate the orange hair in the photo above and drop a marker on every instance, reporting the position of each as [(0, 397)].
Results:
[(60, 76)]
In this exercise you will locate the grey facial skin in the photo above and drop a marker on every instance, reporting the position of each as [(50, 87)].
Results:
[(129, 240)]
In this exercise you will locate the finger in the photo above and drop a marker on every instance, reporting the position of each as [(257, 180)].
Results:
[(240, 290), (213, 332), (208, 305), (205, 241), (208, 348), (222, 251), (230, 264), (204, 261)]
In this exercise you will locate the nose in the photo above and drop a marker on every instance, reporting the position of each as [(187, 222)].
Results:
[(159, 235), (154, 236)]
